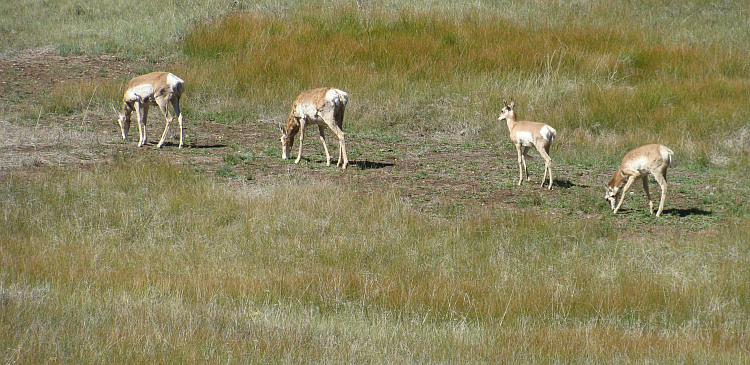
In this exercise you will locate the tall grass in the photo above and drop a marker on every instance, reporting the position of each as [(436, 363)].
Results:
[(146, 261), (617, 83), (608, 76)]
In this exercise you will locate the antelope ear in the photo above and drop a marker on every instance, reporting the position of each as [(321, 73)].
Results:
[(281, 127), (505, 102), (512, 103)]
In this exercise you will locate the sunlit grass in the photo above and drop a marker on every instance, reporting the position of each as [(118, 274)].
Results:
[(446, 67), (400, 66), (147, 254), (75, 96)]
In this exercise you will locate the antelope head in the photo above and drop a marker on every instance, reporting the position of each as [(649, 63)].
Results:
[(123, 119), (507, 110), (287, 141), (611, 195)]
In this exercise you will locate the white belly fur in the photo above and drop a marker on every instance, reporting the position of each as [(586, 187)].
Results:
[(139, 92), (525, 139), (310, 113)]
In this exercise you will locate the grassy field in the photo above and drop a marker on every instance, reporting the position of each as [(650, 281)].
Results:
[(425, 250)]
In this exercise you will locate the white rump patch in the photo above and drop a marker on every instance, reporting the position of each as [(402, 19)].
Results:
[(666, 154), (173, 80), (548, 133), (336, 96)]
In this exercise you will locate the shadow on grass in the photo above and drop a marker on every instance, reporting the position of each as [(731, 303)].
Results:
[(566, 184), (688, 212), (205, 146), (366, 165)]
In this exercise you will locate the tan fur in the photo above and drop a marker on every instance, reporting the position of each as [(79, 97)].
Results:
[(322, 107), (637, 164), (154, 89), (525, 134)]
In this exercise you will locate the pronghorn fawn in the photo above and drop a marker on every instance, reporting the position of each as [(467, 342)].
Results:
[(637, 164), (154, 89), (322, 107), (525, 134)]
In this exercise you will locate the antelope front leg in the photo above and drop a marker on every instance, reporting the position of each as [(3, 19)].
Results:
[(302, 125), (521, 163), (321, 130), (141, 113), (631, 180), (525, 154)]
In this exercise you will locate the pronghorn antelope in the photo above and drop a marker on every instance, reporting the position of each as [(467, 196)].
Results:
[(525, 134), (321, 107), (156, 88), (637, 164)]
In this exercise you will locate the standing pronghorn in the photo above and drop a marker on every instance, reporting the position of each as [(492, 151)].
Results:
[(156, 88), (637, 164), (321, 107), (525, 134)]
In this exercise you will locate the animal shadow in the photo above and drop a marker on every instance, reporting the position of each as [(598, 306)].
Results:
[(204, 146), (566, 184), (366, 165), (688, 212)]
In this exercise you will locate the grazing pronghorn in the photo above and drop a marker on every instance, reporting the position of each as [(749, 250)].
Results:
[(156, 88), (321, 107), (525, 134), (637, 164)]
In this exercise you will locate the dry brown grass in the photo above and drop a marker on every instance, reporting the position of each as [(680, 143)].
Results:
[(147, 255)]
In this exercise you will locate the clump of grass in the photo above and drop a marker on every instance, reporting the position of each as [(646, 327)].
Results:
[(74, 96), (238, 158)]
